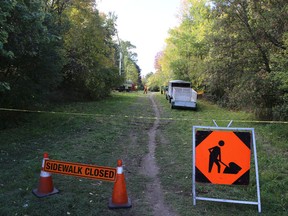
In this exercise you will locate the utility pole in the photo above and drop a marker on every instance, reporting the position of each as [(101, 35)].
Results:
[(120, 53)]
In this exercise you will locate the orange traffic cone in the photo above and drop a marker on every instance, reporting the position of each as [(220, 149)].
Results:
[(119, 198), (45, 187)]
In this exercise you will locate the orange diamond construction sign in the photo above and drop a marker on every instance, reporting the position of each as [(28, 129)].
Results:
[(222, 157)]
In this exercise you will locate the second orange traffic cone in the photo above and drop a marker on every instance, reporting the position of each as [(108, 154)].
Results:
[(45, 186), (119, 198)]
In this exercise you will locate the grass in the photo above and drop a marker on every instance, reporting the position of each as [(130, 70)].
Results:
[(99, 138), (101, 132)]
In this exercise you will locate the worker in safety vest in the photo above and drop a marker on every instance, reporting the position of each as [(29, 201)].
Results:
[(145, 89)]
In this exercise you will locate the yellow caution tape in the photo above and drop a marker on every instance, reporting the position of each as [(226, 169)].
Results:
[(139, 117)]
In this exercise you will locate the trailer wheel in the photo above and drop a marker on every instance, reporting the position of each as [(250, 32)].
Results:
[(172, 105)]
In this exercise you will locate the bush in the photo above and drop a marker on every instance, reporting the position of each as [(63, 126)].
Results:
[(154, 88)]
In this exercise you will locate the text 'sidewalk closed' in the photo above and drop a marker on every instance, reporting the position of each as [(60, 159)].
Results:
[(80, 170)]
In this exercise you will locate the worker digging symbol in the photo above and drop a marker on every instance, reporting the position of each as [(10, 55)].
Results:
[(222, 157), (215, 158)]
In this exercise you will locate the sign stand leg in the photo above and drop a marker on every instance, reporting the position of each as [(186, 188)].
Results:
[(193, 171), (215, 123), (256, 171)]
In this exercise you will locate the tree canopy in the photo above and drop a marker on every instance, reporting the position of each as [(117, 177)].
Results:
[(59, 49), (235, 50)]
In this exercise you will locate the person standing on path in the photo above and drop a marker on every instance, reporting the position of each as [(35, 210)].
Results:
[(145, 90)]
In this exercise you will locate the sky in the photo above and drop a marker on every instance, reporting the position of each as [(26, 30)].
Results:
[(145, 23)]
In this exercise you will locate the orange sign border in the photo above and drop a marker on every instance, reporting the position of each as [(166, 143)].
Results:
[(75, 169)]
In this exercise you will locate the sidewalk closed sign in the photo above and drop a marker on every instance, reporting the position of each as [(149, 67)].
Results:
[(81, 170), (222, 157)]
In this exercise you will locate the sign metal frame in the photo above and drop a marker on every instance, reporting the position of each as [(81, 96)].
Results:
[(194, 195)]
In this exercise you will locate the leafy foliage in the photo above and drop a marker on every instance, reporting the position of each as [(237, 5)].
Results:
[(131, 69), (51, 46), (187, 48), (248, 34), (27, 50), (90, 67), (235, 50)]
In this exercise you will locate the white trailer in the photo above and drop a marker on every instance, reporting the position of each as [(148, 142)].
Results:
[(176, 83), (184, 97)]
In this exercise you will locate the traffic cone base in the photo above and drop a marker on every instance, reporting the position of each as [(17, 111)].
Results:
[(40, 195), (115, 206)]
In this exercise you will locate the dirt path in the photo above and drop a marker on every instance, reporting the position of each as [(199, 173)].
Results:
[(149, 168)]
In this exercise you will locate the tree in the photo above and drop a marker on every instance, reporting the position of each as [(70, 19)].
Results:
[(187, 48), (28, 47), (47, 46), (131, 70), (246, 35), (157, 64), (236, 49), (91, 68)]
